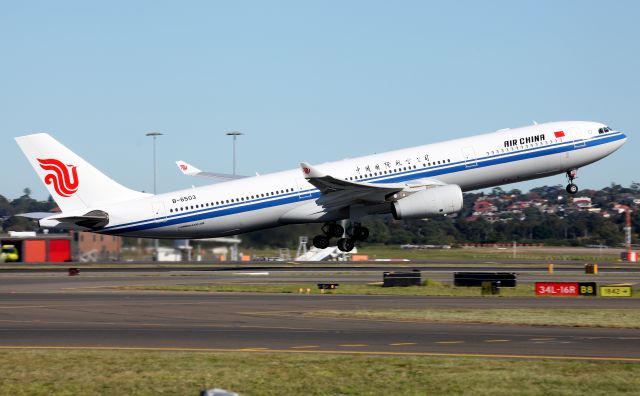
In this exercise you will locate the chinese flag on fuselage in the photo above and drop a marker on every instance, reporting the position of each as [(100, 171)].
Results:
[(559, 134)]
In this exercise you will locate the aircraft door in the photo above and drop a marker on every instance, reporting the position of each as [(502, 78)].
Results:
[(159, 212), (578, 137), (469, 155), (302, 186)]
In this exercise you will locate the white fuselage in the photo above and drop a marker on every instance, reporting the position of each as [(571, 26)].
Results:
[(481, 161)]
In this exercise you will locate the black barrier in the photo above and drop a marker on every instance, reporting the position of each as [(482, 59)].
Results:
[(413, 278), (506, 279), (328, 286)]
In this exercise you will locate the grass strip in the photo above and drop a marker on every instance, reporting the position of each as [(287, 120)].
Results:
[(550, 254), (431, 288), (104, 372), (610, 318)]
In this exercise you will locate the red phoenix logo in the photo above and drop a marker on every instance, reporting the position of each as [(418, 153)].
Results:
[(64, 182), (306, 170), (183, 167)]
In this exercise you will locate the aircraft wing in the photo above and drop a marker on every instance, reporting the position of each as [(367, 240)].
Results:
[(339, 193), (191, 170), (328, 184)]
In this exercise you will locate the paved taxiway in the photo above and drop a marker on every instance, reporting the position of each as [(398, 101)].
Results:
[(54, 310)]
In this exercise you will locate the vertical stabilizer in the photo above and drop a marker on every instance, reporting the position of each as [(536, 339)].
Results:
[(72, 182)]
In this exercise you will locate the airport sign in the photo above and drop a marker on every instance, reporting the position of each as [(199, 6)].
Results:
[(616, 291), (566, 288)]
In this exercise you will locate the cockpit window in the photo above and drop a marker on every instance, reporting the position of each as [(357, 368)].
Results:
[(604, 130)]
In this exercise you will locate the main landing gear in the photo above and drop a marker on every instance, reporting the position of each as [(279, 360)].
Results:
[(346, 244), (572, 188)]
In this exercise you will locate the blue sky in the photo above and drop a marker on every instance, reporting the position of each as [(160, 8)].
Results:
[(306, 81)]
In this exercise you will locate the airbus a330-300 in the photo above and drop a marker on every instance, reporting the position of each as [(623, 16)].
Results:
[(417, 182)]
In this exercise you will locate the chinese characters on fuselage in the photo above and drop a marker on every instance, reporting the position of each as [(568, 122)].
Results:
[(387, 165)]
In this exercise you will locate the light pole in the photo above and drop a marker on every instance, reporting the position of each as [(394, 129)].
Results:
[(154, 135), (235, 134)]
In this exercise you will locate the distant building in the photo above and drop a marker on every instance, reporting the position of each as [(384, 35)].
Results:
[(483, 206), (519, 206), (97, 247), (583, 203), (486, 209)]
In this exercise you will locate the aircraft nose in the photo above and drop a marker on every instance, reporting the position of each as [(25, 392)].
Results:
[(622, 141)]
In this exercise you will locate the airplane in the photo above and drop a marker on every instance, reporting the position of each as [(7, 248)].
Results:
[(412, 183)]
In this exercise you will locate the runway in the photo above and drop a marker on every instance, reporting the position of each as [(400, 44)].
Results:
[(59, 311)]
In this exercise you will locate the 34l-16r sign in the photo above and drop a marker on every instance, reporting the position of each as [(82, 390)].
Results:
[(566, 288)]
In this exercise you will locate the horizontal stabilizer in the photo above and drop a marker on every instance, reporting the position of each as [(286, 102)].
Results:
[(93, 220), (35, 215)]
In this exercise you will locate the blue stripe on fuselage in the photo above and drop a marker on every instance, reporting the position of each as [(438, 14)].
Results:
[(482, 162)]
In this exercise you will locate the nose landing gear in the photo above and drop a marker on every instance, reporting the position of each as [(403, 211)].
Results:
[(572, 188), (346, 244)]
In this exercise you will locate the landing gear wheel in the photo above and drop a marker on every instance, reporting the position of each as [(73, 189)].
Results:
[(345, 244), (321, 241), (571, 175), (360, 233), (333, 230)]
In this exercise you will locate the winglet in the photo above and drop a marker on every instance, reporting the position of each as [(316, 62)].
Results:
[(310, 172), (187, 169)]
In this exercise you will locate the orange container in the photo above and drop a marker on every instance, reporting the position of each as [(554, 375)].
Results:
[(359, 257), (34, 251)]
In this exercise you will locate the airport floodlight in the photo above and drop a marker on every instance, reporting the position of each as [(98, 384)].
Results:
[(154, 135), (235, 134)]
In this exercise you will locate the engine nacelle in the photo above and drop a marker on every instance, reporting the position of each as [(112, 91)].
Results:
[(435, 200)]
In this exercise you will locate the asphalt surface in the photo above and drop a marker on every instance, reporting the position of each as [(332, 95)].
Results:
[(55, 310), (435, 265)]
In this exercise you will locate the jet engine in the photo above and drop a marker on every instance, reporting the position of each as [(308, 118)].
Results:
[(434, 200)]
